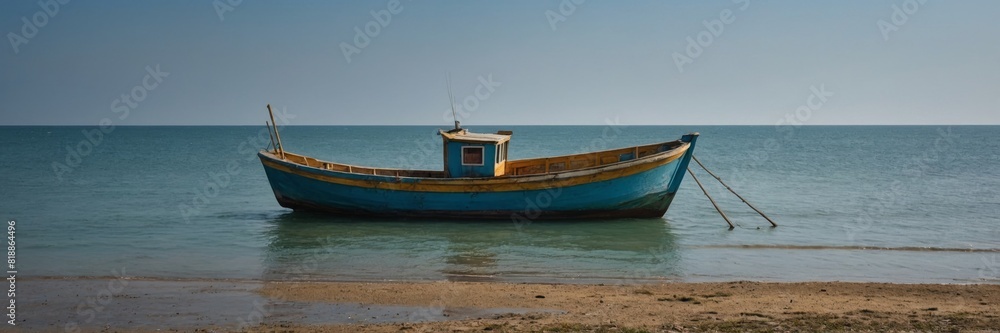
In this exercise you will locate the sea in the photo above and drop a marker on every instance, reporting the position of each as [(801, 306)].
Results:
[(902, 204)]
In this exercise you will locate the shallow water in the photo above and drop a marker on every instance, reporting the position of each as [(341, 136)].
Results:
[(854, 203)]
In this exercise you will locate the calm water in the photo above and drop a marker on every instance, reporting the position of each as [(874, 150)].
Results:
[(898, 204)]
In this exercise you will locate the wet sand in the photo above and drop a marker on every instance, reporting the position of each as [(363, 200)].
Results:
[(110, 305), (130, 304)]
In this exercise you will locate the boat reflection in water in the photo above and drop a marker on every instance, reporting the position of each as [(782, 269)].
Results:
[(307, 246)]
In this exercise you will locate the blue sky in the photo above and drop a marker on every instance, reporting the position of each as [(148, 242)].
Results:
[(604, 60)]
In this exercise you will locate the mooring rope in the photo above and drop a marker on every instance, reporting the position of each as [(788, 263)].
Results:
[(714, 204), (731, 190)]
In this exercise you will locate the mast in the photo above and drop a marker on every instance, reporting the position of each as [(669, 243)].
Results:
[(451, 99)]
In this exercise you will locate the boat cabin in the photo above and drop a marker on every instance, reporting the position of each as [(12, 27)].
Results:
[(471, 155)]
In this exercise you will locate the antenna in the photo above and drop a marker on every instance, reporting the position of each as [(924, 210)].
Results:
[(451, 99)]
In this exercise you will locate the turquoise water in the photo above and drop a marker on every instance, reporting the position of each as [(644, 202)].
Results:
[(871, 203)]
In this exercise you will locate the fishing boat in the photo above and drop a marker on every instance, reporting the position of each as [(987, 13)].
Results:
[(479, 182)]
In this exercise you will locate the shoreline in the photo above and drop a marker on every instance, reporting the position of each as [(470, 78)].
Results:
[(432, 306)]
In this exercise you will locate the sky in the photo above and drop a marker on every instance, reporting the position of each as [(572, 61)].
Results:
[(515, 62)]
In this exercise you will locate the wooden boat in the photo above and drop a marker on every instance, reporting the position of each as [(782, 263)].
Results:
[(479, 182)]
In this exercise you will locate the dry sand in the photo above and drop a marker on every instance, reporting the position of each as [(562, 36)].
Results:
[(668, 307)]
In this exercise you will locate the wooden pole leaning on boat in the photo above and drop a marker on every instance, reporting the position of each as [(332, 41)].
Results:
[(279, 147), (712, 200), (734, 192), (270, 135)]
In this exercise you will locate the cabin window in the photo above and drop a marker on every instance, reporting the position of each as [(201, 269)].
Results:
[(472, 155)]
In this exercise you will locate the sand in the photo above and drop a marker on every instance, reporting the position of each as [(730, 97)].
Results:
[(668, 307), (157, 305)]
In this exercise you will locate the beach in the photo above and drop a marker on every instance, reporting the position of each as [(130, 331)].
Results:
[(731, 306), (446, 306)]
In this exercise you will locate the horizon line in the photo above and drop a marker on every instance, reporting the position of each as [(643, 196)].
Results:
[(423, 125)]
